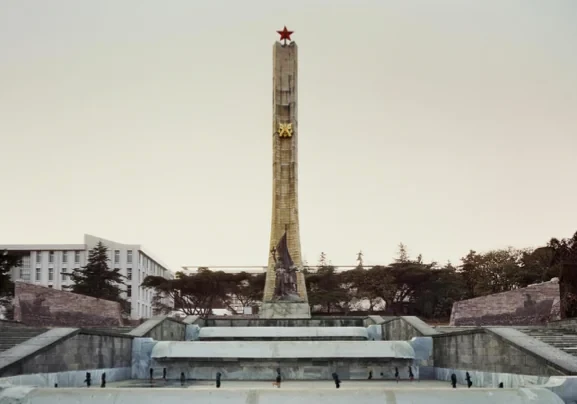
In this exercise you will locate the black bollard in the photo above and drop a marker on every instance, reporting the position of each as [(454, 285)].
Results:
[(337, 380), (88, 381), (151, 374), (278, 379), (370, 374), (501, 385), (454, 380), (411, 375), (55, 385), (218, 375), (468, 379), (182, 378), (164, 374), (103, 380), (397, 374)]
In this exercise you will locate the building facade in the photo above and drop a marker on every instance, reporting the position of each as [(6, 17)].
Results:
[(51, 265)]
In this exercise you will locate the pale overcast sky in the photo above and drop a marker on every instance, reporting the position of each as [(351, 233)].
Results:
[(447, 125)]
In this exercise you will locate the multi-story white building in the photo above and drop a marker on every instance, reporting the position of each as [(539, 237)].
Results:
[(51, 264)]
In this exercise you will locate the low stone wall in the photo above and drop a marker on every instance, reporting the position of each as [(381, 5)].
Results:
[(161, 328), (67, 349), (45, 307), (295, 369), (500, 350), (258, 322), (533, 305), (406, 327)]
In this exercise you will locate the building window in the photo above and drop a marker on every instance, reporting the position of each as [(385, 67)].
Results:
[(129, 274), (77, 257), (37, 274), (64, 275), (38, 257), (64, 256), (129, 257), (116, 256), (51, 257), (50, 274), (129, 291)]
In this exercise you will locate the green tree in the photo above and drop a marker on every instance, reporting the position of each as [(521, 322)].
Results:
[(246, 288), (326, 291), (97, 279), (8, 261), (564, 255), (194, 294)]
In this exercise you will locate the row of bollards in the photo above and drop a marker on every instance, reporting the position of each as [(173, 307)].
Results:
[(277, 382)]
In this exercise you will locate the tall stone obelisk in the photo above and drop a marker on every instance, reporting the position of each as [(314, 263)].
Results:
[(288, 298)]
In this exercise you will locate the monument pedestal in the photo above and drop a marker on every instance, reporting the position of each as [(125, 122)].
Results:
[(285, 310)]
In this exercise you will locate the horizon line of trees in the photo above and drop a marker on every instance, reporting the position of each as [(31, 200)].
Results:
[(404, 286)]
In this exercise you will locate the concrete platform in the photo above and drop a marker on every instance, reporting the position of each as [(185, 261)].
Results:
[(285, 395), (284, 333), (282, 349)]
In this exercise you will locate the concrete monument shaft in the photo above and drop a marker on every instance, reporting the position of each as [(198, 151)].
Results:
[(285, 215)]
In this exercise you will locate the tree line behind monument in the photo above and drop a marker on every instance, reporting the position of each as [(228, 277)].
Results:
[(406, 286)]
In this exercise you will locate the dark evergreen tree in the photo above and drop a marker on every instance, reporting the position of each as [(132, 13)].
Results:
[(8, 261), (97, 279)]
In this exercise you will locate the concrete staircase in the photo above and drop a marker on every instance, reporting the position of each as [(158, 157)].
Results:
[(565, 340), (14, 334)]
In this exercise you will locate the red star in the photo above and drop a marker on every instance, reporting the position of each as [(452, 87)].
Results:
[(285, 34)]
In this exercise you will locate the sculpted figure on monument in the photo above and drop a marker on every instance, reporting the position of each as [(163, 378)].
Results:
[(286, 273)]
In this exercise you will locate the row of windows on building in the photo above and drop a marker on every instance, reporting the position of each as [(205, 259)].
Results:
[(116, 258)]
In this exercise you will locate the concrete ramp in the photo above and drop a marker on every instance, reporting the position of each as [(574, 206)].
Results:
[(277, 396)]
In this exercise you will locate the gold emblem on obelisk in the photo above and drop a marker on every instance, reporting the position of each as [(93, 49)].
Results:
[(285, 130)]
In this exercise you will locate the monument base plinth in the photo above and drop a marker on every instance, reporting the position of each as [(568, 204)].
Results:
[(280, 309)]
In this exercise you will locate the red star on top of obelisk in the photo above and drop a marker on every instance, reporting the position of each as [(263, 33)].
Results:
[(285, 35)]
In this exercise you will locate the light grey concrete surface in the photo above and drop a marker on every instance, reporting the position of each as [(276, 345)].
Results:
[(73, 378), (34, 345), (291, 369), (423, 347), (284, 395), (285, 310), (283, 349), (141, 357), (558, 358), (488, 379), (161, 328), (375, 332), (564, 386), (192, 332), (295, 333)]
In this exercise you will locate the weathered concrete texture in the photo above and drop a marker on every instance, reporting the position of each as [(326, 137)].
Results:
[(73, 378), (192, 332), (291, 369), (283, 333), (484, 351), (284, 310), (161, 328), (41, 306), (289, 322), (285, 214), (59, 352), (564, 387), (423, 347), (141, 357), (532, 305), (280, 396), (488, 379), (406, 327), (283, 349), (552, 356)]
